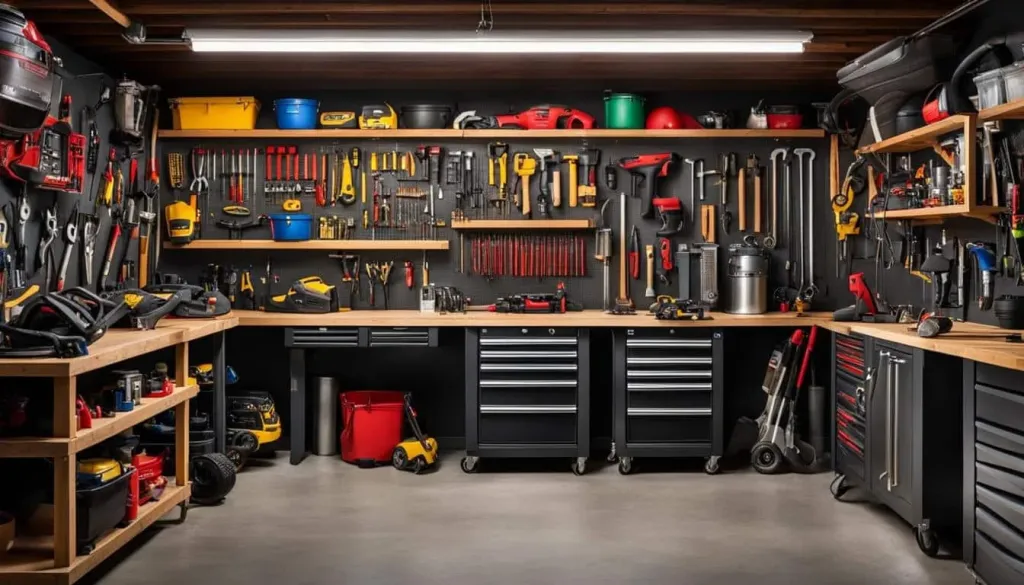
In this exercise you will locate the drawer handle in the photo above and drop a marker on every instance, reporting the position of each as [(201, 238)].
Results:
[(666, 374), (668, 412), (641, 387), (568, 409), (668, 343), (537, 355), (528, 341), (681, 361), (527, 368), (532, 383)]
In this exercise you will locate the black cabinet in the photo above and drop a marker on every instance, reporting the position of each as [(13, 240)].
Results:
[(897, 432), (527, 394), (993, 479), (668, 396)]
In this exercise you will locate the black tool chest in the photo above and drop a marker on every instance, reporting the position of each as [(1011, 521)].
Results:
[(527, 394), (897, 432), (332, 337), (993, 457), (668, 395)]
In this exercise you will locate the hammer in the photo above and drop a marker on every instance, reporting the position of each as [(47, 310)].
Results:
[(589, 159)]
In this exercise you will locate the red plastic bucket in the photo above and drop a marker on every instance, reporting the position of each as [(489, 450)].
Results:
[(371, 426)]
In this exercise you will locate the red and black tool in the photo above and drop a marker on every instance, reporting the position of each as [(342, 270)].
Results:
[(634, 254), (645, 168)]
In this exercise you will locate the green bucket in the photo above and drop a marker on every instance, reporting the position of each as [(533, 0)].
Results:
[(623, 111)]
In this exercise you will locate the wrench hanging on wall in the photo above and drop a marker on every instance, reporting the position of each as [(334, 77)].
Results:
[(807, 287)]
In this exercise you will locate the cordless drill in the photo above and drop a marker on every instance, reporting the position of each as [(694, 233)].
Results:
[(644, 169)]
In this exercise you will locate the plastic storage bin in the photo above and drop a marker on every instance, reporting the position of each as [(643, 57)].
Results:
[(1013, 77), (100, 510), (371, 426), (991, 89), (215, 113), (623, 111), (296, 114), (291, 227)]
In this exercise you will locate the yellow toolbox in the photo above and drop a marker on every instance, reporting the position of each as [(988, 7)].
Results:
[(215, 113)]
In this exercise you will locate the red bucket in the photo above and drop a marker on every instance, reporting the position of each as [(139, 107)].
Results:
[(371, 426)]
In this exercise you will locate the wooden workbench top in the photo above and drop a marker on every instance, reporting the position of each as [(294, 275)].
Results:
[(118, 345), (396, 318), (970, 341)]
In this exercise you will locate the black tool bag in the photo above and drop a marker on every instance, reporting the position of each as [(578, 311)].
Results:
[(196, 301), (27, 74)]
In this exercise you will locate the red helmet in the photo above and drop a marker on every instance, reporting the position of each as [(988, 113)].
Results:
[(664, 118)]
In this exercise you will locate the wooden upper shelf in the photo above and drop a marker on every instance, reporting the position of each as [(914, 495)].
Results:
[(1011, 111), (449, 133), (310, 245), (923, 138)]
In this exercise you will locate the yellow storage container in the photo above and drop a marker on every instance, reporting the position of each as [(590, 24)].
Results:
[(215, 113)]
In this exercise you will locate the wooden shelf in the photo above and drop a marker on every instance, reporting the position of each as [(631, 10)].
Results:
[(1011, 111), (103, 428), (449, 133), (310, 245), (522, 224), (938, 214), (922, 138), (30, 562)]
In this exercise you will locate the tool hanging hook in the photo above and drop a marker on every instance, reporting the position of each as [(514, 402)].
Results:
[(486, 23)]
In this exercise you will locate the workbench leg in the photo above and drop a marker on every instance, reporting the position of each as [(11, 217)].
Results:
[(297, 369), (219, 399), (65, 415), (181, 365), (64, 514), (181, 441)]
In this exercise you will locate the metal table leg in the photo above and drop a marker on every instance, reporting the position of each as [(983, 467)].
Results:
[(219, 401), (297, 373)]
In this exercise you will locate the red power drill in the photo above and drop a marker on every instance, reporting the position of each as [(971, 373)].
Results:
[(644, 169), (865, 304)]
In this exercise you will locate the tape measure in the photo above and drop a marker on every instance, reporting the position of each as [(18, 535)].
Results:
[(292, 205)]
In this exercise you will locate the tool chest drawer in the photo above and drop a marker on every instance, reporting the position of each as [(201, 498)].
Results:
[(1000, 406), (668, 425), (401, 336), (312, 337), (850, 356), (527, 424), (850, 374)]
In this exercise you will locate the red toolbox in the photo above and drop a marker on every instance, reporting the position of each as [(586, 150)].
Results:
[(371, 426)]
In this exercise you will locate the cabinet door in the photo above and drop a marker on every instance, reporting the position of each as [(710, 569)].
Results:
[(903, 432), (879, 422)]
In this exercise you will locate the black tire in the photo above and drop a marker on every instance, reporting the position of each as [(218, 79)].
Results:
[(766, 458), (213, 478), (398, 458), (246, 440), (419, 465), (238, 457), (927, 541)]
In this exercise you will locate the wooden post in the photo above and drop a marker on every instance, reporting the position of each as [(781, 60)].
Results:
[(969, 160), (64, 522), (65, 419), (181, 365), (181, 416)]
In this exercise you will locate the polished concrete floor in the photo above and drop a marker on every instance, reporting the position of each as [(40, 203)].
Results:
[(325, 522)]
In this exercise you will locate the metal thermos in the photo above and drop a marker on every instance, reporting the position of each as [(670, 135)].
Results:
[(747, 279), (325, 415)]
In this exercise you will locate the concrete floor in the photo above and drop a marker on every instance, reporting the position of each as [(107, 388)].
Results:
[(325, 522)]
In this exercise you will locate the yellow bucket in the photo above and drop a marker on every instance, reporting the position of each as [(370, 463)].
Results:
[(215, 113)]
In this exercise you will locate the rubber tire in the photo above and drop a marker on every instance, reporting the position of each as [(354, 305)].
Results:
[(419, 465), (213, 478), (927, 541), (399, 459), (246, 440), (466, 468), (766, 458), (238, 457), (625, 466), (712, 467)]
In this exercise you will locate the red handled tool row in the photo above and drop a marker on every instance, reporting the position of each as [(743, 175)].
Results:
[(528, 256)]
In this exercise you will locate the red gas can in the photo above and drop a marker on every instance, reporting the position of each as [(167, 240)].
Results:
[(371, 426)]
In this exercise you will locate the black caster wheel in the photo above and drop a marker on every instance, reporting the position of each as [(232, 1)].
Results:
[(579, 467), (625, 465), (927, 540), (839, 488), (470, 464), (766, 458), (612, 455), (711, 466)]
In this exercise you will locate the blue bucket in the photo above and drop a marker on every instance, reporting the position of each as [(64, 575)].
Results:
[(296, 114), (291, 227)]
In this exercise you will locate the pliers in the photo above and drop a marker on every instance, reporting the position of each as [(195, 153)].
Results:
[(44, 256), (70, 237), (199, 183), (634, 254)]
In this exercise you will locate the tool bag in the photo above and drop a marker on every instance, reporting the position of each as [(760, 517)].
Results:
[(145, 309), (196, 302), (60, 324), (27, 74)]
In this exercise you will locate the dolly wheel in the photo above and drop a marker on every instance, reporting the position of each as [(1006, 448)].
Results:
[(711, 466), (766, 458), (625, 465), (927, 540), (470, 464), (398, 458), (579, 466)]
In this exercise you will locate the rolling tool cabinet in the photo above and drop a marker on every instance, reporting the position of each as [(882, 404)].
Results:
[(527, 394), (668, 396), (993, 473), (897, 432)]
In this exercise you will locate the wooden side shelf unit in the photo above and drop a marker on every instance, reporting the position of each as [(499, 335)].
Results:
[(310, 245), (522, 224), (450, 133), (1010, 111), (53, 560)]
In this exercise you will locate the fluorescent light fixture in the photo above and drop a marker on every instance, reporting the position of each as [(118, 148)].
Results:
[(460, 43)]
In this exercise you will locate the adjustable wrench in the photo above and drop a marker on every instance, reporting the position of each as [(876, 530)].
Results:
[(771, 240)]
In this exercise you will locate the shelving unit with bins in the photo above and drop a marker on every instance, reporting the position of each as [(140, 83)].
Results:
[(53, 560), (928, 138)]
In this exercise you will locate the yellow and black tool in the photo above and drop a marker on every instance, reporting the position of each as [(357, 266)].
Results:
[(236, 210), (378, 117), (417, 453), (292, 205), (348, 190), (525, 167), (338, 120), (181, 222), (306, 295), (847, 222)]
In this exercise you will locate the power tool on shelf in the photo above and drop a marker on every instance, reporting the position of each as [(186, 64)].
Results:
[(306, 295), (645, 168), (542, 117), (556, 302)]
